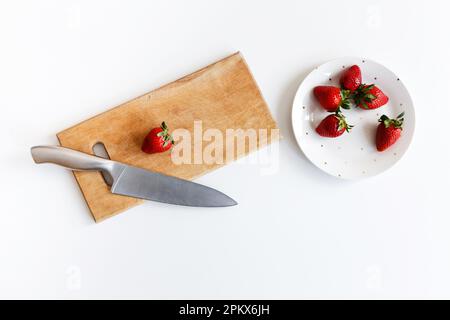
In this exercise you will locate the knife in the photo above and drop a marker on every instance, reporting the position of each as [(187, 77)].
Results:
[(135, 182)]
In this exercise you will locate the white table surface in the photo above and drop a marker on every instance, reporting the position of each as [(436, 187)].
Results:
[(298, 233)]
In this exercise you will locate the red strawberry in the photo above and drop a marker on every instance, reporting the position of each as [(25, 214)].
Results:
[(388, 132), (333, 126), (332, 98), (158, 140), (351, 78), (370, 97)]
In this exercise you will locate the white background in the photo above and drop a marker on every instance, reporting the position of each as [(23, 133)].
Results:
[(296, 234)]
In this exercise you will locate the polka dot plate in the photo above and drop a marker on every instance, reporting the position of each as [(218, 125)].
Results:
[(352, 155)]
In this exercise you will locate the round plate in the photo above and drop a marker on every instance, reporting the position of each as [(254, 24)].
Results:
[(352, 155)]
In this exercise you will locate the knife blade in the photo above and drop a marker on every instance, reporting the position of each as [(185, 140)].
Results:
[(135, 182)]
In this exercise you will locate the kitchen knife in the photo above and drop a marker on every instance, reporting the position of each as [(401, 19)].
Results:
[(135, 182)]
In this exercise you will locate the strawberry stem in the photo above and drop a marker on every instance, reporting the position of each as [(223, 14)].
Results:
[(167, 137), (397, 122), (362, 95), (342, 122), (345, 101)]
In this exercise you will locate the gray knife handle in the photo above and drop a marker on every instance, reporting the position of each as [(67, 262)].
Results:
[(70, 159)]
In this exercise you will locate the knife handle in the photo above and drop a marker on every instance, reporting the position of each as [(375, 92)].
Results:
[(70, 159)]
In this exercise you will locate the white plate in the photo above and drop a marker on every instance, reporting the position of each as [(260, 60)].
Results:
[(352, 155)]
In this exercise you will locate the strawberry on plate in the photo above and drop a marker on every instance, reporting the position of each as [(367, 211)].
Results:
[(351, 78), (158, 140), (333, 126), (332, 98), (388, 131), (370, 97)]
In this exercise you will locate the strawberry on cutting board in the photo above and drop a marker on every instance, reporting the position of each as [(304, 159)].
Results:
[(369, 97), (351, 78), (333, 126), (332, 98), (388, 131), (158, 140)]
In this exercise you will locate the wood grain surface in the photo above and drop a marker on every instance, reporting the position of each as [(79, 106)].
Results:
[(223, 96)]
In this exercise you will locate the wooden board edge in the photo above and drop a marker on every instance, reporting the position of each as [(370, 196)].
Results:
[(183, 78)]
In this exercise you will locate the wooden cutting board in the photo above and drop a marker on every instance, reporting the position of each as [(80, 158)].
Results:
[(222, 95)]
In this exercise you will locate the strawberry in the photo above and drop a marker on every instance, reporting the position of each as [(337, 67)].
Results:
[(351, 78), (389, 131), (158, 140), (333, 126), (369, 97), (332, 98)]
